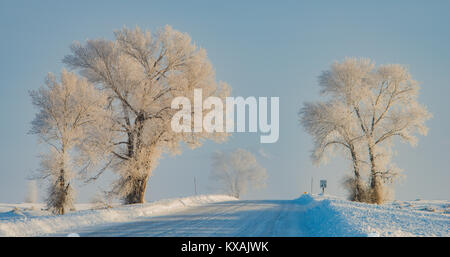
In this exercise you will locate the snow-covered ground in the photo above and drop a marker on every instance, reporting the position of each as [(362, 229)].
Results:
[(31, 220), (399, 218), (218, 215)]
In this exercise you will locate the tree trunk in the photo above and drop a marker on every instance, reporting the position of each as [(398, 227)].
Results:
[(137, 195), (59, 195), (358, 190), (376, 194), (376, 190)]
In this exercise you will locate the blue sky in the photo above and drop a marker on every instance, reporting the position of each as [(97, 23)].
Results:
[(261, 48)]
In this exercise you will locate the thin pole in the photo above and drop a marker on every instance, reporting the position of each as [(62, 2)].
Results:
[(195, 186), (312, 185)]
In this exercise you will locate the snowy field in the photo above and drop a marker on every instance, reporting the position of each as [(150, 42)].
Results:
[(219, 215)]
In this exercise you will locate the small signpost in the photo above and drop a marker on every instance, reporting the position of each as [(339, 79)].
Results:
[(323, 185)]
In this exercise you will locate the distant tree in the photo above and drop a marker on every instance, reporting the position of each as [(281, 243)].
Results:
[(65, 109), (141, 73), (32, 192), (102, 200), (382, 103), (237, 171)]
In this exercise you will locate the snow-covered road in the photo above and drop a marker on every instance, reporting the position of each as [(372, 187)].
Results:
[(231, 218)]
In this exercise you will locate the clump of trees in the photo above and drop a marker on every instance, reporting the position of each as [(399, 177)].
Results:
[(366, 108), (117, 115), (237, 171)]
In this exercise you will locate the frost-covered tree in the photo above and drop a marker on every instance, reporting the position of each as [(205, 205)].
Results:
[(142, 73), (382, 103), (237, 171), (334, 130), (65, 110)]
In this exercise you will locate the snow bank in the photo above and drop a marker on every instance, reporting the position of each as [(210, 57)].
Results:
[(23, 222), (404, 219), (321, 218), (331, 216), (304, 199)]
